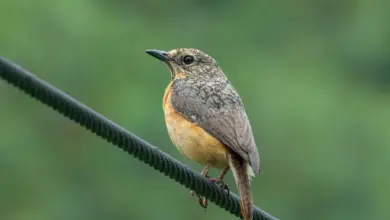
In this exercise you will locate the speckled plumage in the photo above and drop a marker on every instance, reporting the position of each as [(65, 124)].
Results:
[(191, 140), (204, 95)]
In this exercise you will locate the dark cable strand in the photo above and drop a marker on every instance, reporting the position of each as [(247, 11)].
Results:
[(113, 133)]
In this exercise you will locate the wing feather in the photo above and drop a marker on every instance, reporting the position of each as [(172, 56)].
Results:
[(227, 122)]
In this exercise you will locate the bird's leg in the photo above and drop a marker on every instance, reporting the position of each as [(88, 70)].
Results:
[(219, 180), (203, 201), (204, 172)]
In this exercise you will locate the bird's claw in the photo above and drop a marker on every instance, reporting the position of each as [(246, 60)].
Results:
[(202, 200), (221, 184)]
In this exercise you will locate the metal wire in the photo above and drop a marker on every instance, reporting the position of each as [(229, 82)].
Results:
[(113, 133)]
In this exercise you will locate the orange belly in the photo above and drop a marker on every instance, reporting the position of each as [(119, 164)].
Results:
[(191, 140)]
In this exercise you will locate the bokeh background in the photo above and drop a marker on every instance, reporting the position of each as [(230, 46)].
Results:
[(314, 77)]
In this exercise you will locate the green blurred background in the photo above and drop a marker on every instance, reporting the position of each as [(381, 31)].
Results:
[(314, 77)]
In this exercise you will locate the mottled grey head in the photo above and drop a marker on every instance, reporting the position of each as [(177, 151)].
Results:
[(187, 62)]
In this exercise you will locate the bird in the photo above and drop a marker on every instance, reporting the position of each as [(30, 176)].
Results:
[(207, 122)]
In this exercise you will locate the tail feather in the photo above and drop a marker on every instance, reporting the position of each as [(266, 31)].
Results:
[(242, 173)]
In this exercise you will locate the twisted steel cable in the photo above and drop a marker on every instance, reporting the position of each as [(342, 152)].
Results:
[(113, 133)]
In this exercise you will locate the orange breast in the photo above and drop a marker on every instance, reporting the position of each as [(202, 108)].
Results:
[(190, 139)]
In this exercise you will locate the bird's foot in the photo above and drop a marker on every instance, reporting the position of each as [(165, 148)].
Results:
[(202, 200), (221, 184)]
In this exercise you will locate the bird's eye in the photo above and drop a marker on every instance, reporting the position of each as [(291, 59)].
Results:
[(188, 59)]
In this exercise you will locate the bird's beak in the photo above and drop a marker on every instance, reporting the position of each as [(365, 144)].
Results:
[(159, 54)]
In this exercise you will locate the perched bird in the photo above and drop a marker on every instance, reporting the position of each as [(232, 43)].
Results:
[(206, 120)]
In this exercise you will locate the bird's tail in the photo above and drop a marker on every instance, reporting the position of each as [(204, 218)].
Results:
[(242, 173)]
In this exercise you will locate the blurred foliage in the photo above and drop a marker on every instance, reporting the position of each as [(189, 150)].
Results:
[(314, 77)]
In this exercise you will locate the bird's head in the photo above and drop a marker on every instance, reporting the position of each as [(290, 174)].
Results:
[(188, 63)]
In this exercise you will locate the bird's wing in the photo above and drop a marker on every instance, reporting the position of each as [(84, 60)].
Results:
[(226, 120)]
